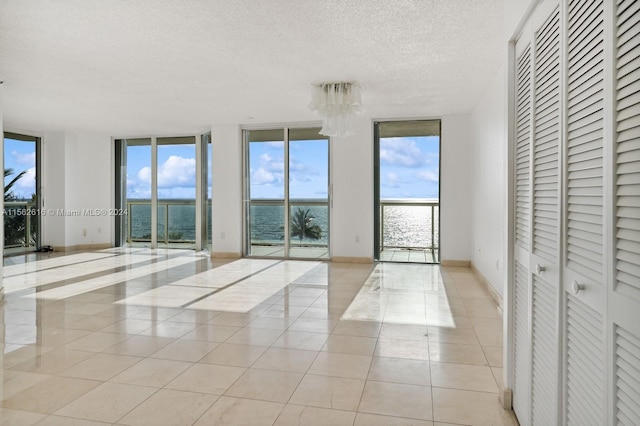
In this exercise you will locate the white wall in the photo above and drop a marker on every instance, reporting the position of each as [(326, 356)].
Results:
[(455, 188), (226, 193), (514, 13), (89, 186), (352, 172), (489, 182), (77, 175), (53, 188)]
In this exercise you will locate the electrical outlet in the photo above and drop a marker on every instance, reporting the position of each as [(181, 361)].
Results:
[(84, 232)]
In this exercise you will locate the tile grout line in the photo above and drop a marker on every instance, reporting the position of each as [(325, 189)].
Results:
[(217, 290)]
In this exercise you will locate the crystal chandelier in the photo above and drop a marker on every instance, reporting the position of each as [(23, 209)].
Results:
[(336, 103)]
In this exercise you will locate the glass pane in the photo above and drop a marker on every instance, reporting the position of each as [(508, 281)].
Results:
[(20, 200), (308, 192), (176, 190), (266, 192), (181, 228), (209, 173), (409, 191), (138, 191), (140, 216), (162, 221)]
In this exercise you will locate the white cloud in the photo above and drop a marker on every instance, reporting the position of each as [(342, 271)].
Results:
[(27, 159), (28, 180), (269, 172), (428, 176), (176, 179), (294, 166), (262, 177), (25, 187), (177, 172), (401, 152), (144, 174), (391, 180)]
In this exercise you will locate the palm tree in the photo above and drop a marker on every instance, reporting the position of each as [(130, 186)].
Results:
[(14, 226), (302, 225), (8, 195)]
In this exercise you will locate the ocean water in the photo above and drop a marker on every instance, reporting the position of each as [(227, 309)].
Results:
[(181, 224), (410, 226), (267, 224), (403, 226)]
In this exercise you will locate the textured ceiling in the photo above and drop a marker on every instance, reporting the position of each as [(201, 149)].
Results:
[(130, 67)]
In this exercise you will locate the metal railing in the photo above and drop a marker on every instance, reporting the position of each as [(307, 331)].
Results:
[(275, 229), (415, 232), (19, 219), (429, 241), (165, 207)]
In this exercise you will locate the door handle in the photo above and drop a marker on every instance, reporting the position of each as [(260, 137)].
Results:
[(576, 287)]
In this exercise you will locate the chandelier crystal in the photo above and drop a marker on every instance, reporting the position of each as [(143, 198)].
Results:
[(337, 103)]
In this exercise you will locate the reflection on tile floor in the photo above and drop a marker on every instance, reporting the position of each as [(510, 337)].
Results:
[(172, 337), (305, 252)]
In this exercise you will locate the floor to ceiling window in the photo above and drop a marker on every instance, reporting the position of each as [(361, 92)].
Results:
[(207, 178), (176, 190), (21, 192), (407, 191), (163, 184), (287, 193)]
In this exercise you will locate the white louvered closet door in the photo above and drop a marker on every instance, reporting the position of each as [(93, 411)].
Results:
[(624, 294), (537, 218), (576, 286), (546, 215), (584, 272), (522, 235)]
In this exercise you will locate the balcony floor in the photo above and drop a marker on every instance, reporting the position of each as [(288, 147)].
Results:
[(409, 256)]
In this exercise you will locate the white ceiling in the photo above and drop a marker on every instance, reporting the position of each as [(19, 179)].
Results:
[(132, 67)]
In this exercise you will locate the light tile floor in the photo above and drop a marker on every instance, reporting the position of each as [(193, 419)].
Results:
[(171, 337)]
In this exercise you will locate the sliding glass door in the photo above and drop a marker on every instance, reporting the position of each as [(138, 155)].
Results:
[(176, 190), (138, 191), (287, 193), (407, 191), (165, 190), (21, 192)]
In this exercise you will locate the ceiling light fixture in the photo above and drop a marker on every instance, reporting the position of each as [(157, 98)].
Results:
[(337, 103)]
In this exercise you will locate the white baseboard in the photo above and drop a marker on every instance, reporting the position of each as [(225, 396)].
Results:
[(492, 291)]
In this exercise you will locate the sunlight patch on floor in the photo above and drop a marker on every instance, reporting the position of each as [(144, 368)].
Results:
[(403, 294)]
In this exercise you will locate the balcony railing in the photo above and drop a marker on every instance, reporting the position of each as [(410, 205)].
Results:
[(20, 222), (409, 224), (176, 221), (404, 224), (267, 221)]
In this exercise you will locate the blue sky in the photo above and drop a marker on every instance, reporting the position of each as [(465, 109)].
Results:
[(409, 167), (21, 156), (308, 169), (176, 171)]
